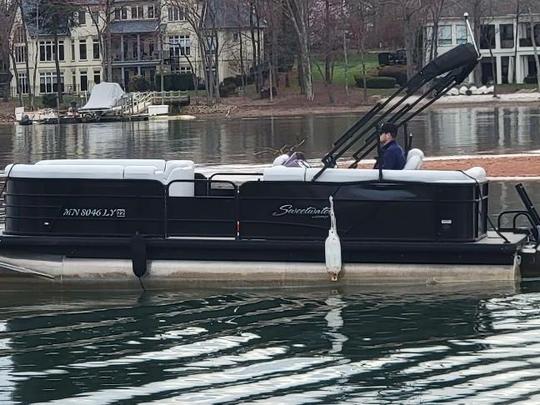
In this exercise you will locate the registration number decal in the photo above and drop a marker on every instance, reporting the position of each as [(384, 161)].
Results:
[(95, 212)]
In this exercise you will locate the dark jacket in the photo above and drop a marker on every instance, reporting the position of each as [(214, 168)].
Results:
[(393, 157)]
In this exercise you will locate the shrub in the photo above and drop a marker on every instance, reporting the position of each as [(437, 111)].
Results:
[(138, 83), (237, 80), (380, 82), (265, 93), (227, 89), (530, 79), (175, 82), (398, 72), (49, 100)]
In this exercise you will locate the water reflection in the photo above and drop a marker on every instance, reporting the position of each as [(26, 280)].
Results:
[(221, 141), (353, 344)]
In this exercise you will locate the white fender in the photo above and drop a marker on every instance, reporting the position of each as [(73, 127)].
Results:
[(332, 246)]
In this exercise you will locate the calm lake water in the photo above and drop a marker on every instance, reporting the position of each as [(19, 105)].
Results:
[(243, 141), (355, 345), (349, 345)]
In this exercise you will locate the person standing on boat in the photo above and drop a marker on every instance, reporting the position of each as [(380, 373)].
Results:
[(393, 156)]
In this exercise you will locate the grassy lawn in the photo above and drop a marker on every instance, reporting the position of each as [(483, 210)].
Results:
[(355, 67)]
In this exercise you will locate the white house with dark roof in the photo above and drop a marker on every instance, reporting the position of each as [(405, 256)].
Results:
[(497, 37), (79, 56), (147, 36)]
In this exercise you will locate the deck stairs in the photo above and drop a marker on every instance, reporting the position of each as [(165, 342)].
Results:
[(138, 103)]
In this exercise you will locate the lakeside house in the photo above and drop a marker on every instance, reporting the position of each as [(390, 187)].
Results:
[(147, 37), (512, 60)]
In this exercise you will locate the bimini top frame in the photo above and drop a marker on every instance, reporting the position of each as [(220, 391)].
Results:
[(440, 75)]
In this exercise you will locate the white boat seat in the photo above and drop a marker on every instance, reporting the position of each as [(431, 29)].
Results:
[(66, 171), (181, 189), (415, 159), (177, 170), (173, 164), (159, 164), (351, 175), (140, 173)]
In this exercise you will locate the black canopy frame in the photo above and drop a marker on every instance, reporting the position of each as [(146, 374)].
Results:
[(440, 75)]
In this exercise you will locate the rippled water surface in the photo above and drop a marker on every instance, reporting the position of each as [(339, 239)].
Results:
[(354, 345), (221, 141)]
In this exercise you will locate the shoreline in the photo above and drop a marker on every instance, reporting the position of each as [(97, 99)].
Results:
[(227, 109), (258, 109)]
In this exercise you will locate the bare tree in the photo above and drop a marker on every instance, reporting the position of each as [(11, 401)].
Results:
[(8, 11), (101, 13), (479, 10), (56, 18), (201, 17), (412, 13), (535, 45), (516, 40), (362, 14), (298, 13), (435, 11)]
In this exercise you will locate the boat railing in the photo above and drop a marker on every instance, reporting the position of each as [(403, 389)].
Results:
[(213, 210)]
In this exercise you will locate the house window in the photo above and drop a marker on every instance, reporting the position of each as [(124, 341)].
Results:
[(82, 17), (177, 14), (116, 13), (487, 36), (95, 49), (20, 53), (211, 43), (137, 12), (47, 52), (82, 50), (151, 12), (123, 14), (462, 36), (444, 35), (72, 49), (185, 69), (97, 77), (19, 36), (236, 37), (507, 35), (84, 80), (23, 85), (180, 45), (48, 82)]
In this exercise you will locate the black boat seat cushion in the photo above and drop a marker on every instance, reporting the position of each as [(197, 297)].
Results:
[(280, 173)]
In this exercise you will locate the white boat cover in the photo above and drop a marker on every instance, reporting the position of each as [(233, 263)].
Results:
[(104, 96)]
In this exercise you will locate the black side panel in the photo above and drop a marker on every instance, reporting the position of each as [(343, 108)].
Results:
[(84, 207), (211, 213), (201, 216), (364, 211)]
